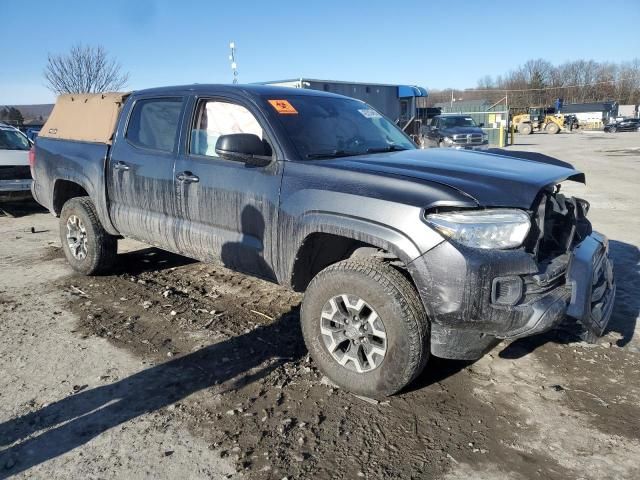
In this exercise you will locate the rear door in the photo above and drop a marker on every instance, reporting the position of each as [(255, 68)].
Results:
[(629, 125), (229, 209), (140, 171), (632, 125)]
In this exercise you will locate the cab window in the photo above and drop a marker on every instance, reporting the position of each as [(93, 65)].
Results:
[(215, 118), (154, 123)]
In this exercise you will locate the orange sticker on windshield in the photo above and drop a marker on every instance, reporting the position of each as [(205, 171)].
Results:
[(283, 107)]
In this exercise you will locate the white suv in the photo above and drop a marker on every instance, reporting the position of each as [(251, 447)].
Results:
[(15, 175)]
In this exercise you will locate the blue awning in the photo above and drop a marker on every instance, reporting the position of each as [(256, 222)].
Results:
[(405, 91)]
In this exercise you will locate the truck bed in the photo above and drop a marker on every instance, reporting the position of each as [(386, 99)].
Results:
[(72, 149), (61, 161)]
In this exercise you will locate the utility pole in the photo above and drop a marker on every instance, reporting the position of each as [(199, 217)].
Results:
[(232, 59), (508, 127), (453, 100)]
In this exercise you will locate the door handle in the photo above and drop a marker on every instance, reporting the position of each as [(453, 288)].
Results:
[(121, 166), (187, 177)]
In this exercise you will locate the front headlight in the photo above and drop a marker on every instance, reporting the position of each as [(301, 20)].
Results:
[(485, 137), (448, 140), (498, 228)]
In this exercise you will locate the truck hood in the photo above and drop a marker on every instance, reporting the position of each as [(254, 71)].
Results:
[(11, 158), (460, 130), (491, 180)]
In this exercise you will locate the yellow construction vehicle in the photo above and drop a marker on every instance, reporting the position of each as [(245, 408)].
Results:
[(538, 119)]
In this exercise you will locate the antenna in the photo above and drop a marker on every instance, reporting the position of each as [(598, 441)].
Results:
[(232, 59)]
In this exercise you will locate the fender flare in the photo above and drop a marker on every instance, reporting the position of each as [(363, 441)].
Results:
[(97, 194), (367, 231)]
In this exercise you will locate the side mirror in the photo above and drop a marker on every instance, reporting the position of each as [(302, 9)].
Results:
[(243, 147), (481, 125)]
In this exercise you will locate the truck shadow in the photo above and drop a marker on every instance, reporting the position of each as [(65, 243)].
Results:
[(247, 255), (71, 422), (626, 261), (437, 370), (149, 259), (20, 208)]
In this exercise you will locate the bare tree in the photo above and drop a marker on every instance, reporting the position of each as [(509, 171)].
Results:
[(486, 83), (11, 115), (85, 69)]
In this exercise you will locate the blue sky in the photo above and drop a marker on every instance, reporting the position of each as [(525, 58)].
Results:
[(435, 44)]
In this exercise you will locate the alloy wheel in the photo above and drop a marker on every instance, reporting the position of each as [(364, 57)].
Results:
[(77, 237), (353, 333)]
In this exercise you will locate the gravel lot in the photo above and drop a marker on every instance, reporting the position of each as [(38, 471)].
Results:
[(168, 368)]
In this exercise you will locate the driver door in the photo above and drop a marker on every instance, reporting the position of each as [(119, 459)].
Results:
[(229, 209)]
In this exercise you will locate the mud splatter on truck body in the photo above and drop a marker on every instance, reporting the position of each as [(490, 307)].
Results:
[(284, 214)]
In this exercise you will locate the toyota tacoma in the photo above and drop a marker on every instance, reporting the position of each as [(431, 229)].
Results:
[(402, 253)]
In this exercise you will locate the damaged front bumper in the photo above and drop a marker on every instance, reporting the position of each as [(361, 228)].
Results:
[(476, 297)]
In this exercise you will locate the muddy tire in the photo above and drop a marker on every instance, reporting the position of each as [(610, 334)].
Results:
[(525, 128), (89, 249), (365, 327), (552, 128)]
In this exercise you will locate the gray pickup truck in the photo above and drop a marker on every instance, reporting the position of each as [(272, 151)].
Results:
[(401, 252)]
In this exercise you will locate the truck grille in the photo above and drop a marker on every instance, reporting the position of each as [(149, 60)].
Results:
[(468, 139), (560, 224), (21, 172)]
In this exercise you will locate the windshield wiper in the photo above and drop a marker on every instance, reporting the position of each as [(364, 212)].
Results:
[(387, 148), (333, 154)]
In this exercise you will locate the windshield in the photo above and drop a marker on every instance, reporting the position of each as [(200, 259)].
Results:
[(13, 140), (328, 127), (452, 122)]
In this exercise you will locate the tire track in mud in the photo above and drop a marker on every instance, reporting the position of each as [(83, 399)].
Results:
[(228, 360)]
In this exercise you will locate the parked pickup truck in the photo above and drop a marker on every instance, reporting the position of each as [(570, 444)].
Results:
[(401, 252), (455, 131)]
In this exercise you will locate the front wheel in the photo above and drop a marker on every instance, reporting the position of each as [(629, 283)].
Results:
[(525, 128), (552, 128), (89, 249), (365, 327)]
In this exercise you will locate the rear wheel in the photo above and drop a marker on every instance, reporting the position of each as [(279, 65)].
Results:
[(365, 327), (89, 249), (552, 128), (525, 128)]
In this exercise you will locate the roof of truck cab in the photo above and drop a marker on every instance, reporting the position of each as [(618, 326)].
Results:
[(251, 89)]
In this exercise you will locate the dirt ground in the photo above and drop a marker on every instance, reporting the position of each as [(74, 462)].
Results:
[(169, 368)]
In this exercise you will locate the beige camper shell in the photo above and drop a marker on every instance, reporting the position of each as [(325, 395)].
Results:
[(85, 117)]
